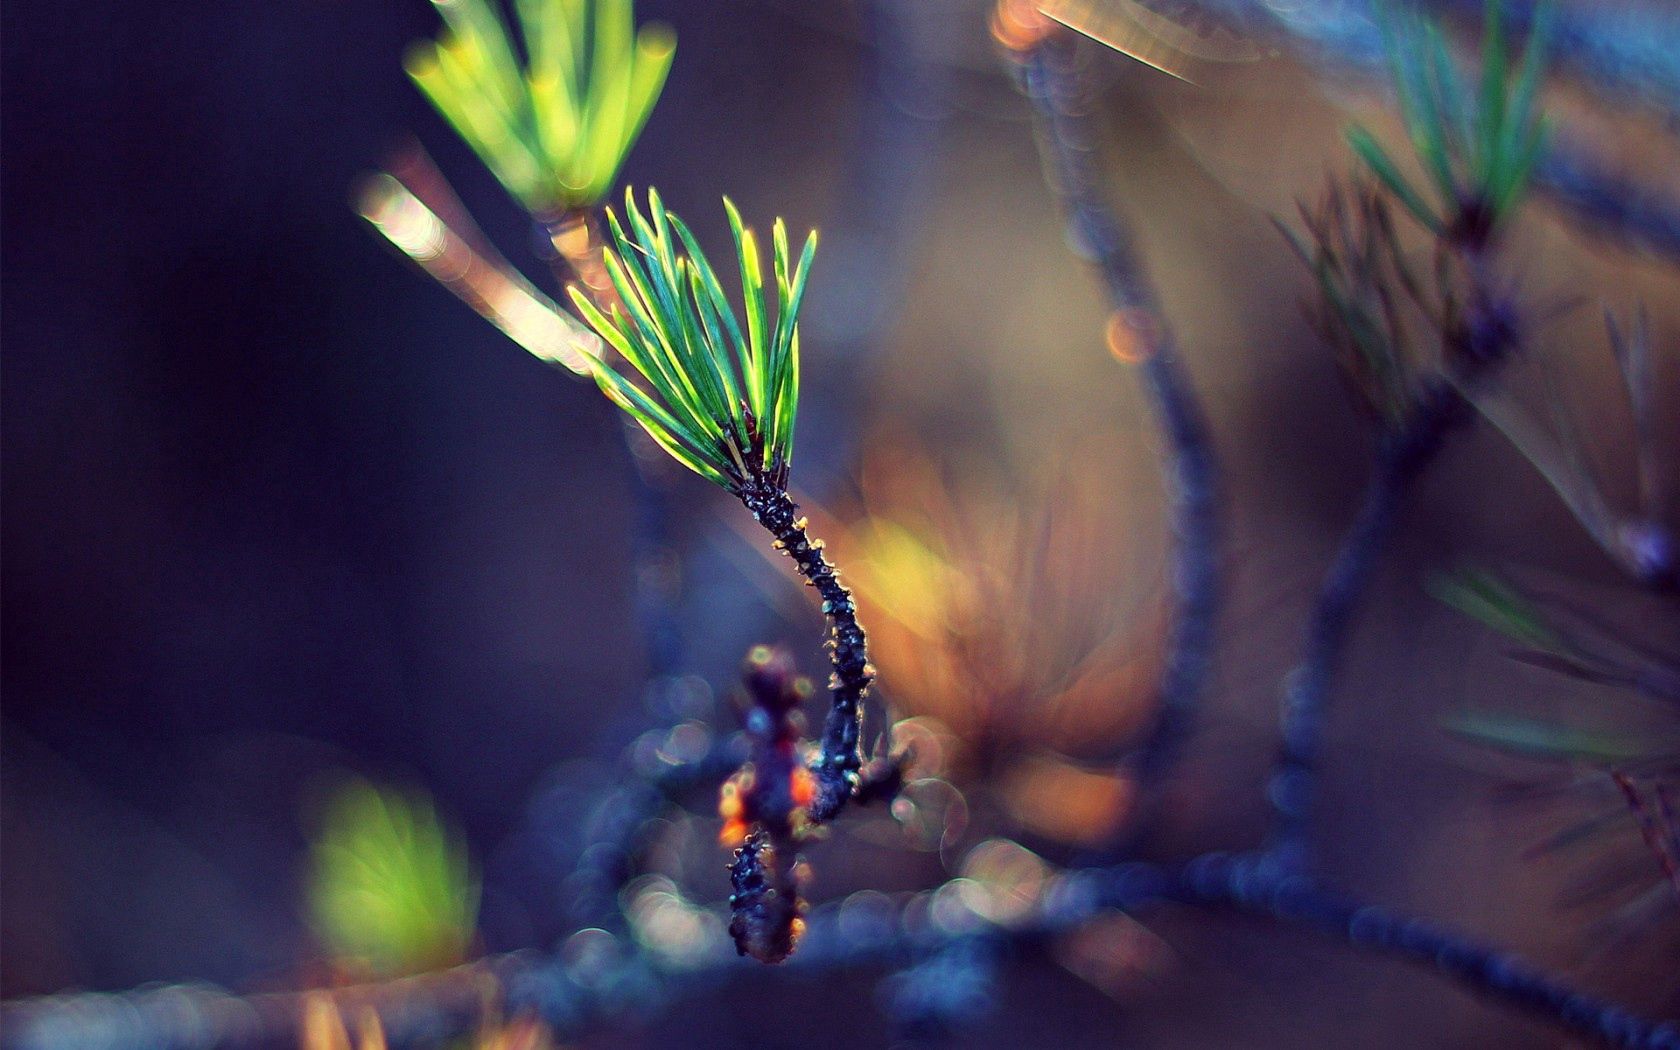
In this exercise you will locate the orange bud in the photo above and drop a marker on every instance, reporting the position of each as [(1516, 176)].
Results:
[(802, 786), (733, 832)]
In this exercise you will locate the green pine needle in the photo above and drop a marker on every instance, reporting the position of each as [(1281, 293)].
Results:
[(1484, 597), (555, 128), (1388, 173), (721, 400), (1476, 152), (1532, 738)]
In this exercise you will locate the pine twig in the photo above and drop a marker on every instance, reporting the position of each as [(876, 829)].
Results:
[(840, 760), (1402, 457), (1050, 75)]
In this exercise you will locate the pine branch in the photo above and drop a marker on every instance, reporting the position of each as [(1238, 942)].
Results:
[(1050, 74), (840, 759), (1403, 455), (448, 1004)]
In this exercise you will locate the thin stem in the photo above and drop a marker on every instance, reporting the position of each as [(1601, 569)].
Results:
[(579, 251), (836, 767), (1403, 454), (1652, 829), (1051, 77)]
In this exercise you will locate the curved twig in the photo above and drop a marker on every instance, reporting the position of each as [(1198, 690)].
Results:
[(1050, 76), (1401, 458), (840, 759)]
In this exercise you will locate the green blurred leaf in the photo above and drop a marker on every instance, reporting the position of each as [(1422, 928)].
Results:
[(1478, 151), (1437, 106), (390, 888), (555, 129), (1484, 597), (1490, 117), (1383, 167), (1536, 739)]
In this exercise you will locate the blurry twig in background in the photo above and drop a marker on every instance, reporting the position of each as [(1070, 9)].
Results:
[(600, 978), (414, 213), (1477, 157), (1049, 67), (1402, 456), (1622, 52), (1641, 543)]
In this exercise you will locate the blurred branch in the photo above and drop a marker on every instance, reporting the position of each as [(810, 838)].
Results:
[(1606, 201), (1403, 454), (576, 998), (625, 821), (415, 210), (1051, 75), (1475, 327), (1626, 52)]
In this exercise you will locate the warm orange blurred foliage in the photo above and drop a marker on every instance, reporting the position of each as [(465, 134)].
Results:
[(324, 1028), (1010, 617)]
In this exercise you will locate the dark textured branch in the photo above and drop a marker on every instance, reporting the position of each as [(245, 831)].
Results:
[(1050, 75), (1402, 455), (764, 807), (765, 903), (837, 766)]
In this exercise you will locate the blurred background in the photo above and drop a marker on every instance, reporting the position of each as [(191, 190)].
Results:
[(279, 510)]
